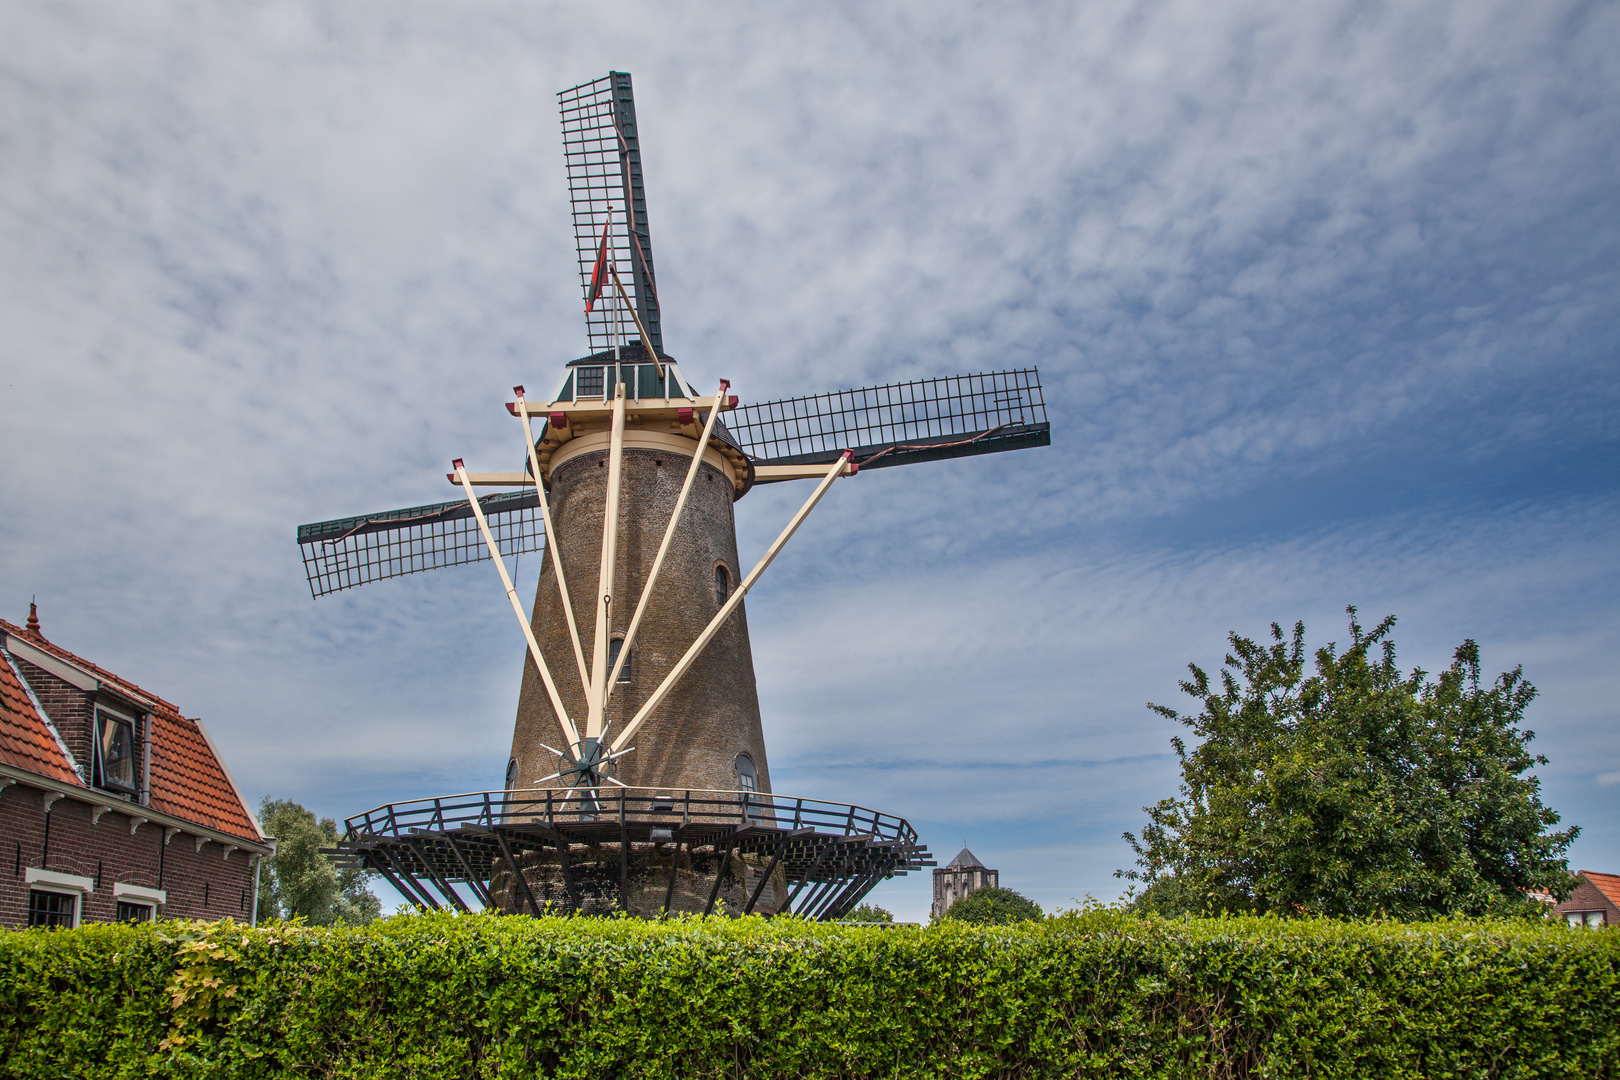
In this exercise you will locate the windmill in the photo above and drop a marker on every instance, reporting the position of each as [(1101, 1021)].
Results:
[(639, 691)]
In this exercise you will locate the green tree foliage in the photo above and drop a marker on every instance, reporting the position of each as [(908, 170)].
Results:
[(298, 881), (1355, 791), (994, 907), (869, 913)]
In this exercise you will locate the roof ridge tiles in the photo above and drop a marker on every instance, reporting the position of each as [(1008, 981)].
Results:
[(96, 669)]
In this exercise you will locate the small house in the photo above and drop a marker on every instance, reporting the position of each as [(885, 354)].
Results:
[(116, 807), (1594, 903)]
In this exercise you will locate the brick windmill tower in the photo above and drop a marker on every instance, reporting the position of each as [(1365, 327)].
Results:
[(640, 682)]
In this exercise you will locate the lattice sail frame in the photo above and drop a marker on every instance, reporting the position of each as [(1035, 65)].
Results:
[(898, 423), (604, 178), (348, 552)]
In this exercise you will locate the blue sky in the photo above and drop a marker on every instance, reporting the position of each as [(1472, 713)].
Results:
[(1323, 296)]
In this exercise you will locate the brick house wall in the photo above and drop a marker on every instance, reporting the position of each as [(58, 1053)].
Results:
[(200, 883)]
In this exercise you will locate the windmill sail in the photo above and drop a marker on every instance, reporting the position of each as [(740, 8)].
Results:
[(604, 178), (347, 552), (899, 423), (895, 424)]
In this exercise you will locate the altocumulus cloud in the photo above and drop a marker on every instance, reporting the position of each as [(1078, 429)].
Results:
[(1322, 293)]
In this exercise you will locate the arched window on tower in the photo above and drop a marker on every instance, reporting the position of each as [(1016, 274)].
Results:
[(615, 645), (747, 782), (722, 584)]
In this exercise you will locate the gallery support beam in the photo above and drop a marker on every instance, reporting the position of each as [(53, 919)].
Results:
[(839, 468), (569, 730), (551, 535), (663, 549), (604, 579)]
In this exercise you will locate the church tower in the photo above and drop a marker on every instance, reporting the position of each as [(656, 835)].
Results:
[(964, 874)]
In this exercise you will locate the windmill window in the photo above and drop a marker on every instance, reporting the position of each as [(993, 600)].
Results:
[(722, 583), (747, 778), (591, 381), (114, 758), (748, 783), (614, 648), (511, 773)]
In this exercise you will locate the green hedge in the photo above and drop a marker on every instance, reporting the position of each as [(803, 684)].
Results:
[(1097, 994)]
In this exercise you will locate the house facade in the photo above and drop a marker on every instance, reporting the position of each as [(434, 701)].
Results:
[(964, 875), (1594, 903), (113, 806)]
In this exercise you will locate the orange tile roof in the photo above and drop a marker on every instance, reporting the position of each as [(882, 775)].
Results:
[(1607, 884), (25, 741), (188, 780)]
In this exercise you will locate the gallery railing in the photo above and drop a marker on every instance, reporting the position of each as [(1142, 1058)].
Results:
[(830, 854)]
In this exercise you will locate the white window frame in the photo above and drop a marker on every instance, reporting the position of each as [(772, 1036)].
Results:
[(54, 881), (151, 909), (139, 894)]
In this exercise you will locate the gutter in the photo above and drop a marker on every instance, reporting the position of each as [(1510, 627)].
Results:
[(138, 815)]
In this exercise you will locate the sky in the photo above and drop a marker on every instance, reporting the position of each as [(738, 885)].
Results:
[(1323, 297)]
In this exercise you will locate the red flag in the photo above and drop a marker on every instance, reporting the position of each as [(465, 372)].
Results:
[(599, 271)]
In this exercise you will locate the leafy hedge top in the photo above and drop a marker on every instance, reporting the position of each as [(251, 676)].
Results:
[(1102, 993)]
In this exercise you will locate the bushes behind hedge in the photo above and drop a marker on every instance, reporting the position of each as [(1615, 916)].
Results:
[(1097, 994)]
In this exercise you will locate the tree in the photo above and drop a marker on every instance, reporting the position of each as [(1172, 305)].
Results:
[(869, 913), (991, 906), (1352, 792), (299, 881)]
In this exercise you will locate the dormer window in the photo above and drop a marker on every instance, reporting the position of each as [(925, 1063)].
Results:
[(114, 752)]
